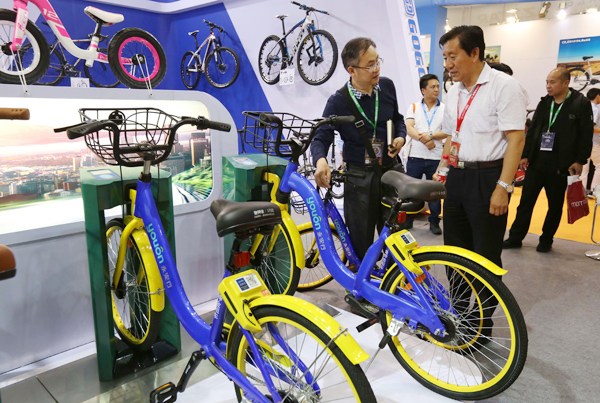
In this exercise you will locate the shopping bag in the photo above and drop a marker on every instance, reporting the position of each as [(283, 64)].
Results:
[(577, 204)]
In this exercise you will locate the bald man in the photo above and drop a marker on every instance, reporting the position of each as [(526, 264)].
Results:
[(558, 143)]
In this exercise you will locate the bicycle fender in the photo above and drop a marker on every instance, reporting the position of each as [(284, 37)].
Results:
[(467, 254), (319, 317), (155, 282), (294, 239)]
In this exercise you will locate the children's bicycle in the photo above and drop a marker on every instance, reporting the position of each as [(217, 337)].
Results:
[(134, 55), (60, 66), (317, 51), (446, 315), (220, 65), (279, 348)]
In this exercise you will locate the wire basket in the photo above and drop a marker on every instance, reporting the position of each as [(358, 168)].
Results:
[(148, 126), (298, 204), (261, 135)]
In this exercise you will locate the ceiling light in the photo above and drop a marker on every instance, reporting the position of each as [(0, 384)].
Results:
[(512, 18), (447, 27), (591, 10), (544, 9), (562, 13), (512, 10)]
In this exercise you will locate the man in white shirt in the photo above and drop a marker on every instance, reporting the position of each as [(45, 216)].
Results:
[(594, 96), (423, 125)]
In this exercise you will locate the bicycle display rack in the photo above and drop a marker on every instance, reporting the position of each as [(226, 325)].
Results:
[(261, 134)]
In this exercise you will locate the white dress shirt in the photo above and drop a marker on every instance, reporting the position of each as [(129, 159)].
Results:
[(415, 111)]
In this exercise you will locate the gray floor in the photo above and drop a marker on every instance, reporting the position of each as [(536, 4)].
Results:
[(557, 292)]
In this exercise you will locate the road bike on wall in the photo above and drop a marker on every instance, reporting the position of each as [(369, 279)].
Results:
[(134, 55), (317, 51), (100, 74), (279, 348), (446, 316), (220, 64), (582, 75)]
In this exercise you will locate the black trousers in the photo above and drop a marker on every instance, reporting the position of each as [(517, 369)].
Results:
[(555, 186), (469, 224), (363, 211)]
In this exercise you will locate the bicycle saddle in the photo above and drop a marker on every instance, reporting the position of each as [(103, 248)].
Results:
[(281, 17), (409, 188), (244, 217), (7, 263), (194, 33), (103, 17)]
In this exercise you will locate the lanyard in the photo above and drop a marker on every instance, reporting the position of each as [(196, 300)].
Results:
[(427, 118), (461, 116), (553, 116), (362, 112)]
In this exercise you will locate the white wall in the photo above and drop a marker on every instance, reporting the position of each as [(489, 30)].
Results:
[(531, 48)]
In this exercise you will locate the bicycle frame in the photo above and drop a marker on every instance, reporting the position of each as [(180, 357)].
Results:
[(360, 284), (59, 30), (211, 42), (307, 26)]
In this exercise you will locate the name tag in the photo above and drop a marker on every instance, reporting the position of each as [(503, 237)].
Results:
[(547, 141)]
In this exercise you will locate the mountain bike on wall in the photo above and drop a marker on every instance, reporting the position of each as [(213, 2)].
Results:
[(100, 74), (582, 75), (134, 55), (317, 51), (220, 65)]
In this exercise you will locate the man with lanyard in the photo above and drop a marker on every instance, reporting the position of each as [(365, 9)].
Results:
[(559, 142), (423, 125), (367, 151), (485, 117)]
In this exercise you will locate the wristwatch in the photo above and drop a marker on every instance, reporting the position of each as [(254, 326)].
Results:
[(507, 186)]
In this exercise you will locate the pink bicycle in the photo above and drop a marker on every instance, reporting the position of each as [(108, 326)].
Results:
[(134, 55)]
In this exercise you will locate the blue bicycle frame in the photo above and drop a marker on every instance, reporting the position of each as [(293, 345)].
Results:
[(415, 305), (208, 336)]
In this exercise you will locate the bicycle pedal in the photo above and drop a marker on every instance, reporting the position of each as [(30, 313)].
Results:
[(166, 393)]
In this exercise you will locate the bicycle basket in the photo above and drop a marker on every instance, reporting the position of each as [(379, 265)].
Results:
[(261, 135), (298, 204), (148, 126)]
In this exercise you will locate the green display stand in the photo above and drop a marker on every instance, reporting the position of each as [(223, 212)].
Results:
[(102, 189), (242, 176)]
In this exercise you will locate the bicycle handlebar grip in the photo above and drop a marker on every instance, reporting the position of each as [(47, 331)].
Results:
[(83, 129), (338, 120), (14, 113), (204, 123)]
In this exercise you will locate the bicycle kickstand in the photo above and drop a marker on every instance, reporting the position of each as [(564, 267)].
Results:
[(167, 393)]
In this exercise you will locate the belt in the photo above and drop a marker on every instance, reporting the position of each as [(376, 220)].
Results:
[(479, 164)]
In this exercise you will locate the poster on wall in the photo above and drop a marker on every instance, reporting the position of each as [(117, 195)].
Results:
[(492, 54), (582, 57)]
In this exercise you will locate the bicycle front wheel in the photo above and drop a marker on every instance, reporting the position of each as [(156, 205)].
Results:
[(273, 258), (222, 67), (31, 60), (485, 347), (132, 297), (190, 69), (579, 78), (317, 57), (315, 274), (271, 59), (305, 364), (136, 58), (100, 74)]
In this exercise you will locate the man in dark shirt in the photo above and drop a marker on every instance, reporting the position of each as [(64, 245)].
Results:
[(373, 98), (558, 143)]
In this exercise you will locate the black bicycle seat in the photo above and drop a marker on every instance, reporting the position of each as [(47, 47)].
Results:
[(409, 188), (244, 217)]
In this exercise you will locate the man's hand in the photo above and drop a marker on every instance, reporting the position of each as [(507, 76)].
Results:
[(499, 201), (323, 174), (394, 149), (575, 169), (523, 164)]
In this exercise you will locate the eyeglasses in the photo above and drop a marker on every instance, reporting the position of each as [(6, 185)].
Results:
[(372, 68)]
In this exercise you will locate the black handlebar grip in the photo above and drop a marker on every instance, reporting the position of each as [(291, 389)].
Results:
[(83, 129), (339, 120), (219, 126)]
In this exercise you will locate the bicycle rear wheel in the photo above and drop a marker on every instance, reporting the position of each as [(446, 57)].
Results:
[(190, 69), (132, 297), (136, 58), (315, 274), (288, 342), (579, 78), (271, 59), (486, 346), (222, 67), (56, 68), (31, 60), (100, 74), (273, 259), (317, 57)]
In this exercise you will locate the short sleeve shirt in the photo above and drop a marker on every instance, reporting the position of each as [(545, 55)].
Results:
[(500, 105), (426, 120)]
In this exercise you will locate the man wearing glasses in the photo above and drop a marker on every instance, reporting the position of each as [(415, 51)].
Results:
[(367, 152)]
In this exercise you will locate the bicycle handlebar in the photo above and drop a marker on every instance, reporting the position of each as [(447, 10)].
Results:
[(213, 25), (308, 9), (14, 113)]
